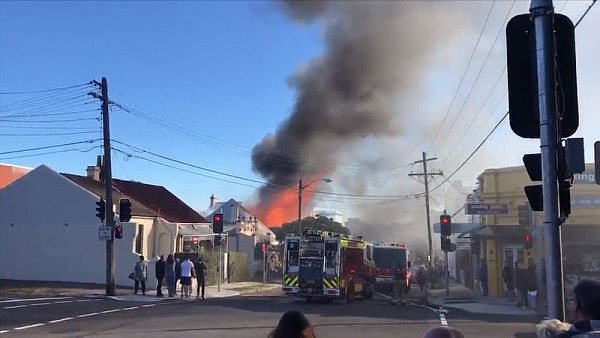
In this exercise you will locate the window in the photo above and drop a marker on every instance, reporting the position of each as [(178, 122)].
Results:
[(139, 240)]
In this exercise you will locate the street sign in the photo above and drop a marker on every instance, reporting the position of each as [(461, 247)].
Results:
[(486, 209), (104, 233), (195, 239), (457, 228)]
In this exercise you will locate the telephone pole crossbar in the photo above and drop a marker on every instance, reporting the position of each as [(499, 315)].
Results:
[(426, 174)]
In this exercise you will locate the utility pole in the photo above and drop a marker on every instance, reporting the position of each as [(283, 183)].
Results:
[(107, 176), (300, 207), (542, 12), (426, 175)]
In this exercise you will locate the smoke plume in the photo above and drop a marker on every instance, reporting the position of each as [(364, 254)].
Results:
[(375, 59)]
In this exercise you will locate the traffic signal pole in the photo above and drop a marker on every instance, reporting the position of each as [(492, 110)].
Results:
[(542, 12)]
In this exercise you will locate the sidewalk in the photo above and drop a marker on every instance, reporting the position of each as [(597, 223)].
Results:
[(227, 290), (469, 300)]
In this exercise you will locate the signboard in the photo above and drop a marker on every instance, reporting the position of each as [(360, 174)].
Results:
[(486, 209), (584, 202), (457, 228), (195, 239), (585, 177), (104, 233)]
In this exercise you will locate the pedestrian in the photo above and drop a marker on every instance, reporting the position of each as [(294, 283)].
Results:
[(586, 305), (178, 273), (422, 277), (186, 278), (170, 275), (400, 286), (531, 284), (483, 277), (141, 273), (443, 332), (200, 269), (508, 276), (293, 324), (160, 275)]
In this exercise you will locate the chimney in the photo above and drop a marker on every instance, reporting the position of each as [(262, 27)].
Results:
[(212, 201), (93, 172)]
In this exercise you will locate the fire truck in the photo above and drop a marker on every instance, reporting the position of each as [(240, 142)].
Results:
[(388, 259), (327, 265)]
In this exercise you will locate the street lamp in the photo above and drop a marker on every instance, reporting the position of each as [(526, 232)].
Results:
[(300, 189)]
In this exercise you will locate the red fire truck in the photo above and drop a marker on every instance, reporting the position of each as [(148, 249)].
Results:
[(326, 265), (388, 259)]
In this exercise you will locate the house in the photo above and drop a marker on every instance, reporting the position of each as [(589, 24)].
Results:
[(48, 222), (10, 173)]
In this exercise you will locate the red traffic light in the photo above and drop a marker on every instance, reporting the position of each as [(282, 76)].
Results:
[(528, 241), (528, 238), (218, 217), (445, 219)]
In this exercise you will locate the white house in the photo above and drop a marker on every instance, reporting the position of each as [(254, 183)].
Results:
[(49, 231)]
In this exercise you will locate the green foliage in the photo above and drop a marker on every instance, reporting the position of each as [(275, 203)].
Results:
[(321, 223), (238, 268)]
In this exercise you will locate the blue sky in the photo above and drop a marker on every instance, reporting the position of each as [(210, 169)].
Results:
[(221, 70)]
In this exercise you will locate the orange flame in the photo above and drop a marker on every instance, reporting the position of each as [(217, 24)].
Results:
[(282, 207)]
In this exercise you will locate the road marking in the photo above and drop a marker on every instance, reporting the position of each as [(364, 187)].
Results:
[(110, 311), (38, 304), (443, 320), (31, 299), (86, 300), (148, 305), (28, 326), (60, 320), (4, 331), (129, 308), (14, 307), (87, 315), (63, 302)]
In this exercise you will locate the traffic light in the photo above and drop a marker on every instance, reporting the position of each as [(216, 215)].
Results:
[(124, 209), (217, 240), (100, 208), (217, 223), (522, 80), (528, 241), (445, 225), (118, 231), (446, 244)]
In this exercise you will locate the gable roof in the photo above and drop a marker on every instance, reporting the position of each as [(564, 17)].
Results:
[(146, 199)]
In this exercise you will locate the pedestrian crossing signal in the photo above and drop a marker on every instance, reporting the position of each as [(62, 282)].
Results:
[(100, 208), (118, 231)]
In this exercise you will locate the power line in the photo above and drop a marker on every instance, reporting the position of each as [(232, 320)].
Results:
[(463, 76), (49, 147), (585, 13), (50, 152), (54, 121), (51, 134), (46, 90)]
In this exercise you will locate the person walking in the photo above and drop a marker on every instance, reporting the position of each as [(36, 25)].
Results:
[(508, 276), (200, 268), (141, 273), (422, 277), (170, 275), (531, 284), (186, 278), (483, 277), (178, 273), (400, 286), (160, 275)]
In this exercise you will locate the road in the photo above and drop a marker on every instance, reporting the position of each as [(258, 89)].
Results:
[(243, 316)]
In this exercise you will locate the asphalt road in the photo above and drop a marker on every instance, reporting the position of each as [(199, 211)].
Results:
[(244, 316)]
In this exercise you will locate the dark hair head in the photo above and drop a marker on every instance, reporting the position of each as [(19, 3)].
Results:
[(141, 258), (587, 296), (170, 259), (443, 332), (291, 325)]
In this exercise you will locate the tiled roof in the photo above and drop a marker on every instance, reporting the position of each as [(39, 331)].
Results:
[(146, 199)]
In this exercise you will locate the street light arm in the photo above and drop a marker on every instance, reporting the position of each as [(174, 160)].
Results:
[(324, 179)]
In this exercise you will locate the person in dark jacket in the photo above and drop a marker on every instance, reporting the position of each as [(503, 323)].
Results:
[(483, 277), (160, 275), (170, 274), (200, 268), (509, 278), (178, 273)]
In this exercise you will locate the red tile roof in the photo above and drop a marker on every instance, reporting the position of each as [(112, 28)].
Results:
[(10, 173)]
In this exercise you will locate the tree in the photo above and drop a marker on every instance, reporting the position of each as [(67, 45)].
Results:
[(321, 223)]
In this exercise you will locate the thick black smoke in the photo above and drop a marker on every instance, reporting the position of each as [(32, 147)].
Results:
[(376, 55)]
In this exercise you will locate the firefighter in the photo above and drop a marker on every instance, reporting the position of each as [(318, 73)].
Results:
[(399, 283)]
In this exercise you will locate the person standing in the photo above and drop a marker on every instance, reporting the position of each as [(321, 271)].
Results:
[(178, 273), (508, 276), (483, 278), (400, 286), (422, 277), (531, 284), (186, 278), (160, 275), (170, 275), (200, 268), (141, 273)]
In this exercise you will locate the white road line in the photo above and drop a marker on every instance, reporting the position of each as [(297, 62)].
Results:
[(4, 331), (60, 320), (14, 306), (86, 300), (63, 302), (38, 304), (129, 308), (28, 326), (148, 305), (31, 299), (110, 311), (442, 314), (87, 315)]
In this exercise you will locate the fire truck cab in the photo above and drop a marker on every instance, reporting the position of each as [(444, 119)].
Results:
[(325, 265), (388, 259)]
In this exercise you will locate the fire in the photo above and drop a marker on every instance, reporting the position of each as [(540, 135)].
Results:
[(282, 207)]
